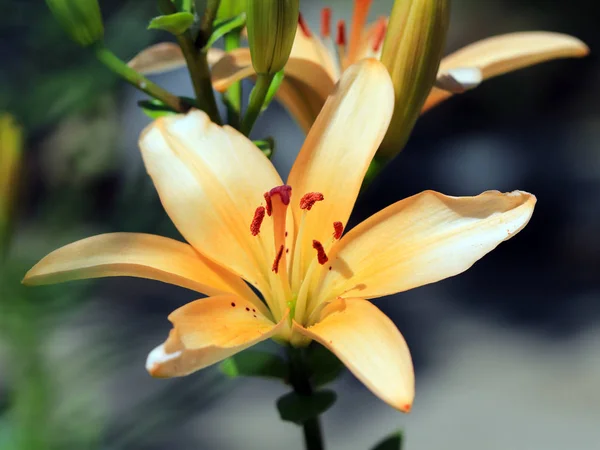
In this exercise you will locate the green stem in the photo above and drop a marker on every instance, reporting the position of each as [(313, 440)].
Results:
[(210, 14), (233, 97), (257, 100), (197, 66), (200, 75), (299, 379), (115, 64)]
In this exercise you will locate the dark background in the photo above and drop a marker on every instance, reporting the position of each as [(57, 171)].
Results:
[(507, 355)]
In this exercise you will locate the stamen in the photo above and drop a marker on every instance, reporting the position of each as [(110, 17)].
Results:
[(341, 33), (304, 26), (309, 200), (359, 18), (338, 228), (284, 192), (341, 43), (275, 267), (321, 256), (259, 215), (379, 34), (269, 204), (326, 22)]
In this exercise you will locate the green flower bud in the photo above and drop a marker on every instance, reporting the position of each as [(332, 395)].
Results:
[(11, 143), (231, 8), (81, 19), (412, 52), (271, 31)]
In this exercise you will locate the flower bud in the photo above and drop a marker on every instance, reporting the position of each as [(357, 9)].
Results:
[(81, 19), (10, 162), (412, 52), (271, 30)]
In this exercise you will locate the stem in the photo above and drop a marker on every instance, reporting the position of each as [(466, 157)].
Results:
[(115, 64), (197, 66), (210, 13), (233, 97), (257, 100), (299, 379), (200, 75)]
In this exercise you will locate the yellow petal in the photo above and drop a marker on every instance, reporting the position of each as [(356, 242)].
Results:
[(210, 180), (207, 331), (231, 68), (165, 57), (136, 255), (370, 345), (508, 52), (339, 148), (422, 239)]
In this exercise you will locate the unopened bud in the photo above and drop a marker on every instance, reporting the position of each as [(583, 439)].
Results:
[(81, 19), (271, 30), (11, 143), (412, 52)]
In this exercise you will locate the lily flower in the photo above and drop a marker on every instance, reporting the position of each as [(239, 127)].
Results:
[(317, 60), (245, 227)]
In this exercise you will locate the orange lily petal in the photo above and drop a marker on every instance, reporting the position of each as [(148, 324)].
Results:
[(370, 345), (339, 148), (508, 52), (207, 331), (165, 57), (420, 240), (304, 90), (210, 180), (136, 255)]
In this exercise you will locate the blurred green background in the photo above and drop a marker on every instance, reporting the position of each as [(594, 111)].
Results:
[(507, 355)]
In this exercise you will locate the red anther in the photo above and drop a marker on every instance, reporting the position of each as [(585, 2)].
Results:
[(326, 22), (379, 34), (275, 267), (338, 229), (284, 192), (304, 26), (321, 255), (269, 204), (341, 33), (309, 200), (259, 215)]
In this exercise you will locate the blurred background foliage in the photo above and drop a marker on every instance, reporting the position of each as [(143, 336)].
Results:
[(507, 355)]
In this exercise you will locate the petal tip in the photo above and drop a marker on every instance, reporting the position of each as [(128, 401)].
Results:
[(156, 359)]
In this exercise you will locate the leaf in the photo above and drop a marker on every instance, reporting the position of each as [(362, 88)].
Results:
[(176, 24), (155, 108), (297, 408), (252, 363), (267, 146), (273, 88), (325, 367), (392, 442), (222, 27)]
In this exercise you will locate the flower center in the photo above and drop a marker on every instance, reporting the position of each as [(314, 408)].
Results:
[(288, 280), (361, 44)]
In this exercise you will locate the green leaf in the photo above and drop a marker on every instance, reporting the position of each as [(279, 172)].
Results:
[(155, 108), (267, 146), (176, 24), (273, 88), (297, 408), (222, 27), (252, 363), (392, 442), (325, 367)]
